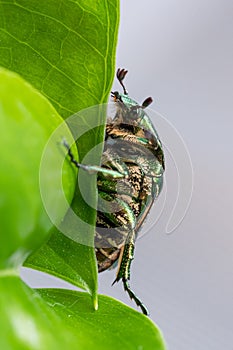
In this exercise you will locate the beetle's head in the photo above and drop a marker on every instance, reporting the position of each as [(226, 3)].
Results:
[(117, 97), (123, 99)]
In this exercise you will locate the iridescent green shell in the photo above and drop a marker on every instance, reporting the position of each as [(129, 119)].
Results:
[(132, 146)]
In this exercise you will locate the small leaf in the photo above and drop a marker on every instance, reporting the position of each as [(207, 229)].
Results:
[(27, 121), (27, 322), (114, 326), (66, 50)]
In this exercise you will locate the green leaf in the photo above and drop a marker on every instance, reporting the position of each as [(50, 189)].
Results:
[(69, 260), (27, 322), (64, 319), (67, 52), (113, 326), (27, 121)]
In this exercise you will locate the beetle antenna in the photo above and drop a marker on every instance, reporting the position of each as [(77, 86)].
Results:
[(147, 102), (121, 73)]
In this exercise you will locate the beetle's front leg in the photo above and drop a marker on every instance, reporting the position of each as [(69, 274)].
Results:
[(125, 259), (92, 169)]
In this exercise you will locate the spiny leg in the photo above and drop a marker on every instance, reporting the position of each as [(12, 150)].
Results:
[(92, 169), (124, 270), (133, 296)]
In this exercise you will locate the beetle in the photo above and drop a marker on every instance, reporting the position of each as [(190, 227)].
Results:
[(129, 179)]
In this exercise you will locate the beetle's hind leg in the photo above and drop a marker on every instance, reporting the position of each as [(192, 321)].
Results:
[(125, 260), (133, 296)]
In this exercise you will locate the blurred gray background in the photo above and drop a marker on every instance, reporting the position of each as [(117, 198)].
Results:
[(180, 52)]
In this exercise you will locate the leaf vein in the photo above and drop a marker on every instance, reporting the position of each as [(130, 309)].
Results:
[(52, 65)]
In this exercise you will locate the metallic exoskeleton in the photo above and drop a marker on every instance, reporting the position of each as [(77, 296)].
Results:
[(132, 148)]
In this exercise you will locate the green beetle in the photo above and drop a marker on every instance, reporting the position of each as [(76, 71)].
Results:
[(128, 181)]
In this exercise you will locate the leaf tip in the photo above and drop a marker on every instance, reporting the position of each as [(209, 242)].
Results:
[(95, 302)]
